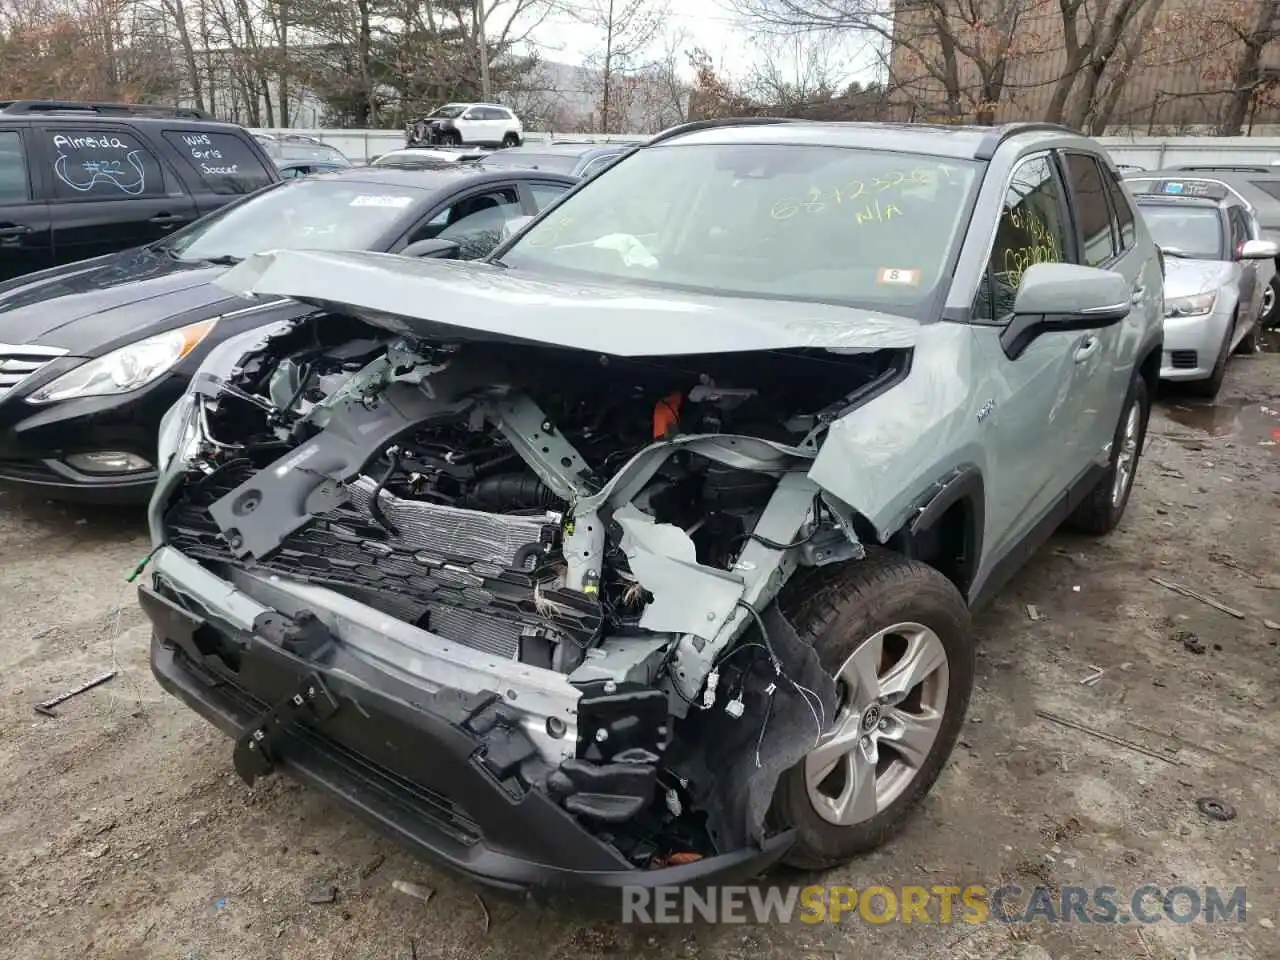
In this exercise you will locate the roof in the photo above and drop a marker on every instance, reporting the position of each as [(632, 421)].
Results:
[(958, 141), (435, 178), (561, 149)]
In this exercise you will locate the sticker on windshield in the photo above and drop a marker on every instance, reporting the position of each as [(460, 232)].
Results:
[(910, 278), (381, 200)]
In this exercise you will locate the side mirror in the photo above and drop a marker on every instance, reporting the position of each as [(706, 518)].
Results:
[(1057, 297), (1258, 250), (513, 226), (435, 248)]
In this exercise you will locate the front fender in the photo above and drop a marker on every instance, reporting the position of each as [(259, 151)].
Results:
[(886, 457)]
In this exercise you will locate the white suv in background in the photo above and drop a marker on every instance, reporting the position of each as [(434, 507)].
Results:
[(472, 124)]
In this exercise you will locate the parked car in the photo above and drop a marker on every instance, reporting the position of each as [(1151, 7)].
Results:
[(643, 550), (92, 354), (576, 159), (1218, 270), (1258, 186), (466, 124), (296, 148), (426, 158), (289, 169), (79, 179)]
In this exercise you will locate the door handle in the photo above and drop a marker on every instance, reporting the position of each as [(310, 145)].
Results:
[(14, 230), (1138, 294), (1087, 348), (166, 219)]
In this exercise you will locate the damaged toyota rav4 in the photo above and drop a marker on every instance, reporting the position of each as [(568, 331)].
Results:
[(644, 551)]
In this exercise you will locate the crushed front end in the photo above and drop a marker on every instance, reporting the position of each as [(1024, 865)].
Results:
[(514, 602)]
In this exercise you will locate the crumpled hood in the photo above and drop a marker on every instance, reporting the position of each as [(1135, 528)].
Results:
[(82, 306), (427, 297), (1185, 278)]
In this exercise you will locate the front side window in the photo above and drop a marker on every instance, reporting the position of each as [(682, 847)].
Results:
[(545, 194), (1032, 229), (833, 224), (474, 222), (13, 169), (1239, 228), (102, 164), (1089, 192), (1181, 230), (303, 214)]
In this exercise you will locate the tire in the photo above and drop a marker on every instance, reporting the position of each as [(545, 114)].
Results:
[(451, 138), (511, 140), (1100, 512), (1209, 388), (841, 610), (1269, 315)]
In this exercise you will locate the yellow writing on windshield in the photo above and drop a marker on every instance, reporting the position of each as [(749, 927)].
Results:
[(820, 199)]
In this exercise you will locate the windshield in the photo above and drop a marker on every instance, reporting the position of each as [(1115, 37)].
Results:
[(1194, 232), (311, 214), (834, 224), (414, 159), (447, 112)]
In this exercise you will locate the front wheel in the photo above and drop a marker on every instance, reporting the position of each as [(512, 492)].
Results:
[(1100, 512), (451, 138), (1269, 316), (511, 140), (896, 636)]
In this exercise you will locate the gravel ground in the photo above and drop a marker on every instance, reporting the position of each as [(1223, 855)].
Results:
[(124, 833)]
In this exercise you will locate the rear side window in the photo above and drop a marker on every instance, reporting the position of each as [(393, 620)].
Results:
[(1125, 217), (13, 169), (225, 163), (1089, 192), (102, 165)]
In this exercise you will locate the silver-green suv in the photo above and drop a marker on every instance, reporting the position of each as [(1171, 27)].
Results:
[(644, 551)]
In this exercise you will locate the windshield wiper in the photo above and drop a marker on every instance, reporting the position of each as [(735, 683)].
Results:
[(225, 260), (1175, 252)]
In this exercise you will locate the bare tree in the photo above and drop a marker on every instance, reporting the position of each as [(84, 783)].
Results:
[(627, 28)]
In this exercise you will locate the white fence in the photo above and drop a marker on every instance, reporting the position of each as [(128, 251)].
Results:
[(1150, 153), (364, 144)]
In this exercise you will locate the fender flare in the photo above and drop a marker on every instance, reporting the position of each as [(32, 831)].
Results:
[(966, 485)]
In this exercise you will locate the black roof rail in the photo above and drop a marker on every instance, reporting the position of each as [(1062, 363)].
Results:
[(1226, 168), (693, 126), (998, 135), (88, 106)]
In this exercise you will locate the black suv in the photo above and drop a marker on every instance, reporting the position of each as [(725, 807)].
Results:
[(78, 180)]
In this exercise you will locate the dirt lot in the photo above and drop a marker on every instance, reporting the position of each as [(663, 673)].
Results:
[(124, 833)]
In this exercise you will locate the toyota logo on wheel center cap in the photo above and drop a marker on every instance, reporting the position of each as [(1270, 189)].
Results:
[(871, 718)]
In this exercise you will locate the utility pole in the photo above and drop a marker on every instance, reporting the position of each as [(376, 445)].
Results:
[(482, 43)]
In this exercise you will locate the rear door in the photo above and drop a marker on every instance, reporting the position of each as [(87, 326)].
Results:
[(1106, 232), (26, 234), (109, 190)]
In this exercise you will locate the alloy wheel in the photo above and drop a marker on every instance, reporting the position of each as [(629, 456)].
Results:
[(1268, 304), (893, 694), (1127, 455)]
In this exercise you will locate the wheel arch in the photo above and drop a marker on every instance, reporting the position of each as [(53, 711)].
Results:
[(946, 531)]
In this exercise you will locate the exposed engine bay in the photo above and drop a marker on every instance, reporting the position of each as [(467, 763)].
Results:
[(626, 523)]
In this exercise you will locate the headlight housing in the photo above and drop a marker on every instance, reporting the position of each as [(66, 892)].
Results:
[(1194, 306), (128, 368)]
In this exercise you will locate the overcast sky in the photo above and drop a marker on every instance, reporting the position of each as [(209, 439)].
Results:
[(707, 25)]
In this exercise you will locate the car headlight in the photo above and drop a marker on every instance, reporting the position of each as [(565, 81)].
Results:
[(128, 368), (1194, 306)]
